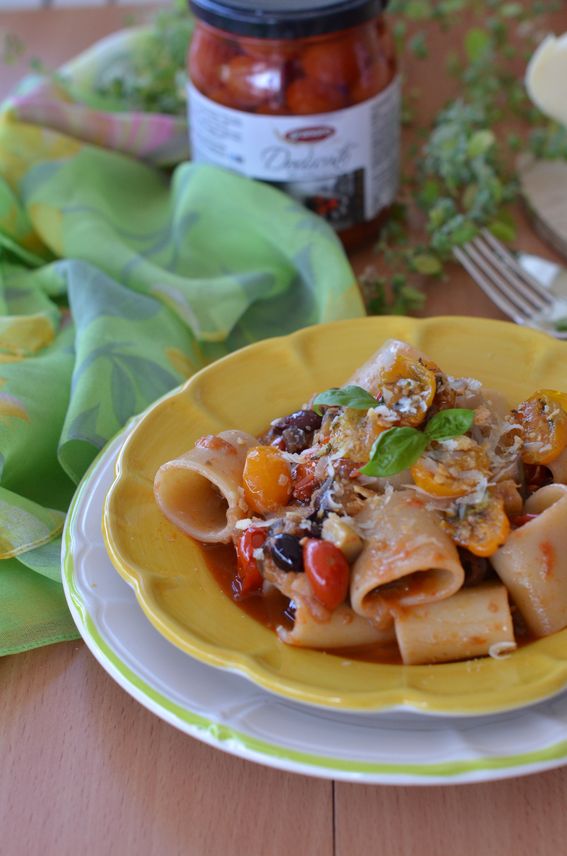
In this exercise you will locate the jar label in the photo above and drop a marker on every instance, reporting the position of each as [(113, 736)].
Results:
[(344, 165)]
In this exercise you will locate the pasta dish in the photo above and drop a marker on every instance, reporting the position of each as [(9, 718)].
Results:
[(407, 510)]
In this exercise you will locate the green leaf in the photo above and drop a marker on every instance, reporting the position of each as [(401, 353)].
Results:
[(406, 299), (480, 142), (470, 196), (395, 450), (463, 232), (418, 10), (477, 43), (449, 423), (503, 231), (13, 48), (418, 46), (426, 263), (511, 10), (561, 325), (442, 212), (399, 31), (449, 7), (346, 396), (429, 193)]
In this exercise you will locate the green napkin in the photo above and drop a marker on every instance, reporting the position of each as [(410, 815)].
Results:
[(117, 282)]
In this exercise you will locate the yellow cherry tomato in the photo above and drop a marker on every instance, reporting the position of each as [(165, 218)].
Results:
[(408, 388), (451, 468), (543, 421), (481, 528), (266, 479)]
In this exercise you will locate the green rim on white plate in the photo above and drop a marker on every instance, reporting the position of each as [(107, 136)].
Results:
[(236, 741)]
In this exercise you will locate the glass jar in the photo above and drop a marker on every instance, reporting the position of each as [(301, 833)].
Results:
[(303, 94)]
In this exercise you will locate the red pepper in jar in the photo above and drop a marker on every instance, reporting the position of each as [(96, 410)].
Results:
[(313, 102)]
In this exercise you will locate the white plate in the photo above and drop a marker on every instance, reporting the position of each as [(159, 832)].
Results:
[(231, 713)]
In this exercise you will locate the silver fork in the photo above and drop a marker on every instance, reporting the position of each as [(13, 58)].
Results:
[(509, 285)]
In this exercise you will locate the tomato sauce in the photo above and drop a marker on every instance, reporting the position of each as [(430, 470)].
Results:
[(273, 609)]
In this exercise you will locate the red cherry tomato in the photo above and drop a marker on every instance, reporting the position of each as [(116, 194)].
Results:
[(249, 576), (305, 96), (333, 63), (522, 519), (328, 572), (250, 82), (304, 481), (209, 57)]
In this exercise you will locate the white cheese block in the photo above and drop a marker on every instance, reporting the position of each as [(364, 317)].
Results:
[(546, 78)]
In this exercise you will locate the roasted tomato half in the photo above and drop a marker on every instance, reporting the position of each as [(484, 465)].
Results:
[(543, 424), (481, 528), (408, 388), (451, 468)]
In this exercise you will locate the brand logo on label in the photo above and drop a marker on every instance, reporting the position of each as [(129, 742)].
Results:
[(313, 134)]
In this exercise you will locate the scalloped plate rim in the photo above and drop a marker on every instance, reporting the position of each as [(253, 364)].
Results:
[(362, 701)]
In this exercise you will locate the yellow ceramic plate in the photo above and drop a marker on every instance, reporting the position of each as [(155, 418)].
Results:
[(248, 389)]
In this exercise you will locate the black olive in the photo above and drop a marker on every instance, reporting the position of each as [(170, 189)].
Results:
[(287, 552), (307, 420), (295, 439), (476, 568)]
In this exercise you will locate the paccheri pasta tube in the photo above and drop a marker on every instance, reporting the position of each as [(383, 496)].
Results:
[(200, 491), (342, 629), (533, 562), (473, 623), (388, 365), (405, 500), (407, 560)]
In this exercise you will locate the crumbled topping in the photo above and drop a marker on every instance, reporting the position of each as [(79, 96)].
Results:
[(296, 458), (464, 385), (256, 522), (386, 413), (501, 650)]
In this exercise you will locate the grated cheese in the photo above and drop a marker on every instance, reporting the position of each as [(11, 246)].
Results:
[(501, 650), (295, 458), (407, 405), (462, 385), (386, 413), (256, 522)]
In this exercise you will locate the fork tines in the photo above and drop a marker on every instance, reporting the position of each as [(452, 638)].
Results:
[(503, 279)]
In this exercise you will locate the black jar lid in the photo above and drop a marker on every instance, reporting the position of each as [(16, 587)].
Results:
[(285, 19)]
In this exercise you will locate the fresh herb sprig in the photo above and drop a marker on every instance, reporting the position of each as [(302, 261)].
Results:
[(154, 79), (399, 448), (351, 396), (465, 178), (396, 449)]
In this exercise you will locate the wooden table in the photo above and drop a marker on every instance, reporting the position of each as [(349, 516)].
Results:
[(84, 769)]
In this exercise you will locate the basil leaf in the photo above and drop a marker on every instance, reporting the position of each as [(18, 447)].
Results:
[(449, 423), (395, 450), (354, 397)]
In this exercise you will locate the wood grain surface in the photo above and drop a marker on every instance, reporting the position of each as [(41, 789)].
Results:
[(84, 769)]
